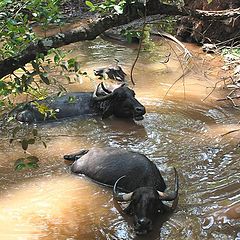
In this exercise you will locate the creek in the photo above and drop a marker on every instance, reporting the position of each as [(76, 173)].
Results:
[(178, 130)]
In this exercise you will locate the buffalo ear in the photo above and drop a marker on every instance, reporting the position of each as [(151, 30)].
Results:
[(108, 111), (162, 208)]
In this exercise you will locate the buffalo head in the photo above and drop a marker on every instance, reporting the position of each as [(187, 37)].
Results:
[(145, 204), (114, 72), (120, 102)]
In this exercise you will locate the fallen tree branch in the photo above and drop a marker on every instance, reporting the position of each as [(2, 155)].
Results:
[(98, 26), (44, 136), (215, 15), (187, 53)]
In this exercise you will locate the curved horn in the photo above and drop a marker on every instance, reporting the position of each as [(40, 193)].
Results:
[(101, 98), (173, 195), (105, 89), (109, 91), (121, 197)]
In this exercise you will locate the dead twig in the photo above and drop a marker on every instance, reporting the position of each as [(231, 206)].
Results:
[(215, 85), (224, 99), (232, 131), (140, 44), (184, 74), (187, 56)]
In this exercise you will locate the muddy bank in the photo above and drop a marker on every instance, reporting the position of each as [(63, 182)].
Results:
[(195, 30)]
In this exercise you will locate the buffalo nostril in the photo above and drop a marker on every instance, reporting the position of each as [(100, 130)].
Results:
[(140, 109), (144, 221)]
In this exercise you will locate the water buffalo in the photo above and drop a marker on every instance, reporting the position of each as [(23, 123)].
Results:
[(138, 179), (120, 102), (112, 72)]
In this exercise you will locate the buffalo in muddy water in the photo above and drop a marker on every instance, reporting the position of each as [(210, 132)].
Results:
[(120, 102), (112, 72), (138, 179)]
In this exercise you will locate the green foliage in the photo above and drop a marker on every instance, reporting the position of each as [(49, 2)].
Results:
[(16, 18), (72, 99), (231, 56), (235, 51), (168, 24), (175, 2), (26, 136), (30, 162), (148, 44), (131, 34), (107, 6), (45, 110)]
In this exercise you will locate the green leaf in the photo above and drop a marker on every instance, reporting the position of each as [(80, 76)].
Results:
[(19, 161), (24, 143), (35, 132), (209, 1), (71, 63), (72, 99), (44, 78), (19, 164), (32, 165), (20, 167), (118, 9), (44, 144), (56, 59), (89, 4)]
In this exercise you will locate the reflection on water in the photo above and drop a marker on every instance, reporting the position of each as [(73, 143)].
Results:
[(58, 207), (49, 203)]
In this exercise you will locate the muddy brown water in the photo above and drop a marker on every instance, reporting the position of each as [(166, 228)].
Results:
[(179, 130)]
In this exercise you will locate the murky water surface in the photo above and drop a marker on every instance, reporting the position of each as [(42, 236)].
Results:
[(179, 130)]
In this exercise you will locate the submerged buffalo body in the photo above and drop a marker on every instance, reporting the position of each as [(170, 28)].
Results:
[(120, 102), (138, 179)]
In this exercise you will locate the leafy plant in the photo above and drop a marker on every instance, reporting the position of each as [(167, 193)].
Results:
[(16, 33), (168, 24), (131, 34), (30, 162), (26, 136), (107, 6)]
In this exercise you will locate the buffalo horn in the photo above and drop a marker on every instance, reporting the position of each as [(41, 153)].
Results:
[(121, 197), (173, 195), (105, 89), (108, 90), (101, 98)]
